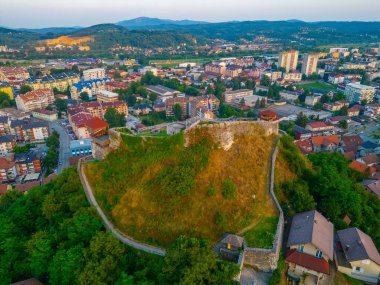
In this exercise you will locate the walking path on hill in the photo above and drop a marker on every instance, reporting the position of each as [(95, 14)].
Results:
[(124, 239)]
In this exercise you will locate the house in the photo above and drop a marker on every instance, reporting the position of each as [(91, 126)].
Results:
[(325, 143), (311, 247), (7, 170), (45, 115), (305, 146), (268, 115), (7, 143), (361, 167), (369, 147), (370, 159), (235, 96), (141, 109), (302, 133), (372, 185), (159, 107), (319, 126), (357, 256), (28, 162), (352, 112)]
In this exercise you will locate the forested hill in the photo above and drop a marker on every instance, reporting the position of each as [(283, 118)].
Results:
[(105, 36)]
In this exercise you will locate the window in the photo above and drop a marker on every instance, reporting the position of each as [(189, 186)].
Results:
[(319, 254), (300, 248), (358, 269)]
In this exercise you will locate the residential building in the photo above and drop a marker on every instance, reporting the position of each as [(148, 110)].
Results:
[(92, 87), (356, 93), (191, 106), (85, 125), (319, 127), (352, 112), (28, 162), (357, 256), (98, 109), (80, 147), (305, 146), (335, 78), (372, 186), (361, 167), (34, 100), (309, 63), (5, 125), (141, 109), (338, 49), (163, 92), (146, 69), (61, 81), (302, 133), (7, 143), (13, 74), (45, 115), (325, 143), (233, 71), (107, 96), (311, 247), (235, 96), (94, 73), (112, 85), (335, 106), (216, 69), (7, 89), (159, 107), (7, 170), (288, 60), (312, 100), (35, 131), (294, 76), (370, 159), (181, 101)]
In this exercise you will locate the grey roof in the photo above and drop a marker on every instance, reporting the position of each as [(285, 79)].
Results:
[(235, 240), (312, 227), (9, 138), (35, 125), (159, 89), (358, 245), (3, 119)]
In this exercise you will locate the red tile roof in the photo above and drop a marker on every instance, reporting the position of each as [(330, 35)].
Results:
[(317, 125), (26, 186), (308, 261), (361, 167), (5, 163), (325, 140), (304, 146), (96, 124)]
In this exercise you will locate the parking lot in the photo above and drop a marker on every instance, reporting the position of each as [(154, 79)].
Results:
[(292, 111)]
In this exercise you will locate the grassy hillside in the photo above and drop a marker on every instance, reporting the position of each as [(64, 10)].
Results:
[(155, 189)]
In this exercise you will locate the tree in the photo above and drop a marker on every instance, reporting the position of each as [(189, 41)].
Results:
[(262, 103), (84, 96), (102, 259), (114, 118), (152, 97), (257, 104), (5, 101), (301, 120), (344, 111), (190, 261), (25, 89), (61, 105), (343, 124), (177, 110), (265, 80)]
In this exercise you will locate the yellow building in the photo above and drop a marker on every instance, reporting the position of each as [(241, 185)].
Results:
[(60, 81), (6, 88), (357, 256)]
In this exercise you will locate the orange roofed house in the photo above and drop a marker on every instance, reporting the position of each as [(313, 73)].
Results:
[(268, 115), (361, 167), (325, 143), (85, 125), (35, 100)]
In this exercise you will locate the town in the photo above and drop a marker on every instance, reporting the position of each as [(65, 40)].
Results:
[(57, 113)]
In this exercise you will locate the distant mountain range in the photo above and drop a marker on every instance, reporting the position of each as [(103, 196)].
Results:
[(146, 32)]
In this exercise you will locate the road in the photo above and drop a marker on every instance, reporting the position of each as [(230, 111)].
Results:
[(64, 145), (124, 239)]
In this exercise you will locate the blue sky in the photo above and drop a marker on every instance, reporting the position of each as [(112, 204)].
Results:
[(48, 13)]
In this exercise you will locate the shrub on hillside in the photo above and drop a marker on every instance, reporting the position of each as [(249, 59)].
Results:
[(228, 189)]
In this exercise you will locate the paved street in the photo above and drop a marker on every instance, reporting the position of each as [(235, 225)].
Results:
[(64, 148)]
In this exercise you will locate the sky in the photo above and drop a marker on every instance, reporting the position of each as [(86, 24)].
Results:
[(65, 13)]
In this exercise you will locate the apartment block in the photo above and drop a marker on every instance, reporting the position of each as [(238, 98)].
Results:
[(33, 100)]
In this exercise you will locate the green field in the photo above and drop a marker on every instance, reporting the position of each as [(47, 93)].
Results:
[(317, 85), (262, 235)]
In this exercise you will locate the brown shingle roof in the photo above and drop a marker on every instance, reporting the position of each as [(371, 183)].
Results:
[(308, 261)]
